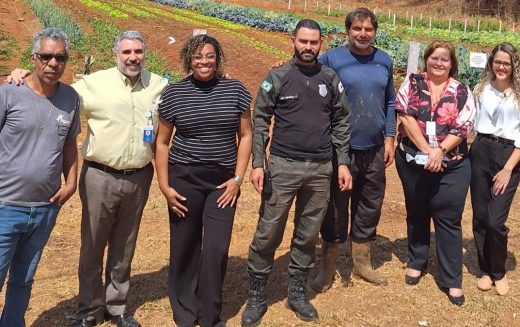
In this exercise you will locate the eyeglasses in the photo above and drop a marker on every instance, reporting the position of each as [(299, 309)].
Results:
[(200, 58), (498, 63), (46, 57)]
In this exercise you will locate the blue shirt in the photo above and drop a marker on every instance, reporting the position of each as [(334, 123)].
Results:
[(369, 88)]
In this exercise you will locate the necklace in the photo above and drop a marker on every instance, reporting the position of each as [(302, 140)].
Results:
[(44, 123)]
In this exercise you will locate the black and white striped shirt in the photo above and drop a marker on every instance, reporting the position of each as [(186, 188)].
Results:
[(206, 116)]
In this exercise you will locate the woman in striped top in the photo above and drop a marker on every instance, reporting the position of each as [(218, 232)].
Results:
[(200, 176)]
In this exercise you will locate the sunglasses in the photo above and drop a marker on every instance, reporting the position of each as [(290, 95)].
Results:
[(46, 57)]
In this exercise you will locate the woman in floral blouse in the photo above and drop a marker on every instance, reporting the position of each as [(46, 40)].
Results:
[(436, 113)]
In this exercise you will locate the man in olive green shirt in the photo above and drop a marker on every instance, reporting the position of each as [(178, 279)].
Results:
[(120, 105)]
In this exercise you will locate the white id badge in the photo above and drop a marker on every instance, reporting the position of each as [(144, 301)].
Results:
[(148, 133), (421, 158), (431, 128)]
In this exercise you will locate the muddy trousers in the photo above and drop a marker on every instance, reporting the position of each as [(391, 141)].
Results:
[(365, 199), (199, 245), (490, 211), (441, 197)]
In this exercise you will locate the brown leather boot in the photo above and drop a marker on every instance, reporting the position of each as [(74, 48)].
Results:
[(362, 265), (325, 278)]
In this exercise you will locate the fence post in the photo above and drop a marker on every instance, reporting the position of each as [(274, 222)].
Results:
[(465, 25), (317, 4), (500, 26), (394, 18), (289, 6), (390, 12), (449, 25), (328, 10), (411, 22), (478, 25), (340, 7), (430, 24)]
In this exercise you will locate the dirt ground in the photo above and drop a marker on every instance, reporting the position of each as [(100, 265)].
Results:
[(351, 302)]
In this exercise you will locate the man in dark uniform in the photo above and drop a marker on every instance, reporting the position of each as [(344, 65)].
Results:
[(310, 128)]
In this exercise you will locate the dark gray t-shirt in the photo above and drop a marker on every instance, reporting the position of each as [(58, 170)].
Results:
[(33, 131)]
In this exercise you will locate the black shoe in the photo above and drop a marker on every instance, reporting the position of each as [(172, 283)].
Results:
[(457, 300), (256, 303), (410, 280), (83, 323), (125, 320), (298, 301)]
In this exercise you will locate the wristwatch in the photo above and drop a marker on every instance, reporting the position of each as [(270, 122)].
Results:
[(237, 179), (443, 149)]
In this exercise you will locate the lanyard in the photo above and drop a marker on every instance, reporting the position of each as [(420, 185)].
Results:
[(434, 105)]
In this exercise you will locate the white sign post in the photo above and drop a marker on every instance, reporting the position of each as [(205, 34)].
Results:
[(477, 59), (413, 57), (198, 31)]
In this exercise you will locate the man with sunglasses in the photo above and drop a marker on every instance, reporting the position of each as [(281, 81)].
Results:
[(39, 123), (120, 106)]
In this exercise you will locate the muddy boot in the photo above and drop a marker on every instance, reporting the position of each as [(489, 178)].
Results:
[(362, 265), (298, 300), (256, 303), (325, 278)]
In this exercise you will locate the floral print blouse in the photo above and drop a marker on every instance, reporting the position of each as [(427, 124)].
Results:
[(454, 114)]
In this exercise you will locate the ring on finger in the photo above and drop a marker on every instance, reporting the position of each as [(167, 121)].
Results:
[(174, 208)]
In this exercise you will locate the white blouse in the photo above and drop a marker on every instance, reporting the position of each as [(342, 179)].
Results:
[(498, 114)]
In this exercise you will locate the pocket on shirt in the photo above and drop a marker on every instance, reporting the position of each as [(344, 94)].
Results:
[(63, 130)]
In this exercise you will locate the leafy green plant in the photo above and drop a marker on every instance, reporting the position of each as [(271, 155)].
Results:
[(51, 16), (155, 63), (104, 7)]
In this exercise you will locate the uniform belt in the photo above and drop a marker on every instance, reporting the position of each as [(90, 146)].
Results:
[(497, 139), (304, 159), (111, 170)]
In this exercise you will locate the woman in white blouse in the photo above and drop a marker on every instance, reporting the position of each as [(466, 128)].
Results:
[(495, 155)]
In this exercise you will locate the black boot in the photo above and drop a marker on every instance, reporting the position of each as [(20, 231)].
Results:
[(256, 304), (298, 301)]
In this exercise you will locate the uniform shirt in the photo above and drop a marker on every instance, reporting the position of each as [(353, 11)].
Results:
[(33, 131), (498, 114), (369, 87), (311, 116), (117, 114), (206, 116)]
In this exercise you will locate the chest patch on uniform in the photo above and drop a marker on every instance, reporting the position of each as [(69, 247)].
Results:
[(322, 90), (266, 86)]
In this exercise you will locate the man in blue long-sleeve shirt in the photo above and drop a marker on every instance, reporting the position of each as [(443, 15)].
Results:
[(366, 73)]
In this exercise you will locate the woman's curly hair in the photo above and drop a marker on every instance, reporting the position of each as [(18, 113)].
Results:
[(194, 45), (489, 75)]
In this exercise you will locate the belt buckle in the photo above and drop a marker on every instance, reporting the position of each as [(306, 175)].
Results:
[(128, 171), (494, 138)]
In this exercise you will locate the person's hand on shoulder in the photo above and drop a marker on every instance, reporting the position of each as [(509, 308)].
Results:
[(17, 75)]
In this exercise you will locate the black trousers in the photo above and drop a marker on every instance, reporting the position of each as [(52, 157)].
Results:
[(366, 198), (199, 245), (489, 211), (440, 196)]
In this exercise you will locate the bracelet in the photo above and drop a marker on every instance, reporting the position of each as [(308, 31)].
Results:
[(443, 149), (237, 179)]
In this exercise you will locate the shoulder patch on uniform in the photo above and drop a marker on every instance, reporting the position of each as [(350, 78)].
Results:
[(340, 87), (266, 86)]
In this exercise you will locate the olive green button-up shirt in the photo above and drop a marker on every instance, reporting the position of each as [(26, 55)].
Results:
[(117, 114)]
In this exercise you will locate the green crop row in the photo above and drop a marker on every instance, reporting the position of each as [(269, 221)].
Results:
[(50, 16), (112, 12)]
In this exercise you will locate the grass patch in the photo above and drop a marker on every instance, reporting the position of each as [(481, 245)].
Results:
[(104, 7), (25, 58), (8, 46), (157, 64)]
